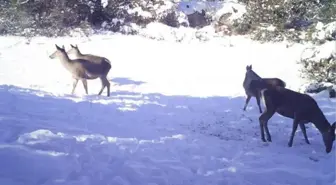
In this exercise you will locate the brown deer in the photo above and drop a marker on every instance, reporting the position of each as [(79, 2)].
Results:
[(252, 92), (102, 62), (82, 69), (302, 108)]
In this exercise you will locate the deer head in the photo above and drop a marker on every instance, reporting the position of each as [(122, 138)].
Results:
[(59, 51), (249, 67), (74, 50)]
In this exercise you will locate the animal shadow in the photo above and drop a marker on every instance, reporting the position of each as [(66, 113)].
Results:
[(126, 81)]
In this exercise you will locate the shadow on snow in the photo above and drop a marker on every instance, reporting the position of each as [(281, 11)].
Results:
[(40, 128), (126, 81)]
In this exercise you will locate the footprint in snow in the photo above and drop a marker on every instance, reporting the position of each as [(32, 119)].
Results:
[(313, 159)]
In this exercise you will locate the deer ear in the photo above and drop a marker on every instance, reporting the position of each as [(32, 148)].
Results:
[(333, 126), (57, 46), (72, 45), (63, 47), (76, 46)]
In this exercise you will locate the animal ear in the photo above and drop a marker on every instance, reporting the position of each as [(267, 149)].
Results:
[(333, 126), (251, 66), (76, 46), (63, 47), (57, 47), (72, 45)]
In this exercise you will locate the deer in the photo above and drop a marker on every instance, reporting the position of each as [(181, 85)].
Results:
[(251, 92), (82, 69), (301, 108), (102, 62)]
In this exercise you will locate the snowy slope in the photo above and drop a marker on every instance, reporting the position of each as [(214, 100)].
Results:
[(174, 116)]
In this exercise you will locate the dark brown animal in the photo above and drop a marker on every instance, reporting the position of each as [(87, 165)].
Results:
[(252, 92), (302, 108)]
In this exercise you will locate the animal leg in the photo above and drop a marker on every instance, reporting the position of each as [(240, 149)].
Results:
[(84, 81), (246, 102), (258, 101), (303, 129), (263, 121), (295, 125), (74, 85), (102, 79), (107, 83), (268, 135)]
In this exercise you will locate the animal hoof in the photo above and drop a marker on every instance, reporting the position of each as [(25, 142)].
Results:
[(290, 144), (269, 139), (263, 139)]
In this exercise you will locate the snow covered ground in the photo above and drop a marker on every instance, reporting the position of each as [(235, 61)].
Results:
[(174, 116)]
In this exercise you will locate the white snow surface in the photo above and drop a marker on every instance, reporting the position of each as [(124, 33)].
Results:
[(174, 116), (324, 31), (216, 7)]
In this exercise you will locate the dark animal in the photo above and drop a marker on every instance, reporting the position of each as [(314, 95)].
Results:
[(252, 92), (302, 108)]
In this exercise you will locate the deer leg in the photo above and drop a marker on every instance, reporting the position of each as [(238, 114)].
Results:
[(268, 135), (246, 102), (263, 121), (84, 81), (74, 85), (295, 125), (303, 129), (261, 124), (103, 82), (107, 83), (258, 101)]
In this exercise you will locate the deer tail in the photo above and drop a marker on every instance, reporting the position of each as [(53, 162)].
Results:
[(107, 60), (108, 66), (283, 83)]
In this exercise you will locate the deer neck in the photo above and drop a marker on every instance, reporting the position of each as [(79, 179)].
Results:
[(65, 60), (252, 75), (321, 122), (249, 76), (246, 80), (79, 54)]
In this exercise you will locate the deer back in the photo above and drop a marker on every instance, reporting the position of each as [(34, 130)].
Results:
[(92, 58), (91, 69), (293, 104), (275, 82)]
